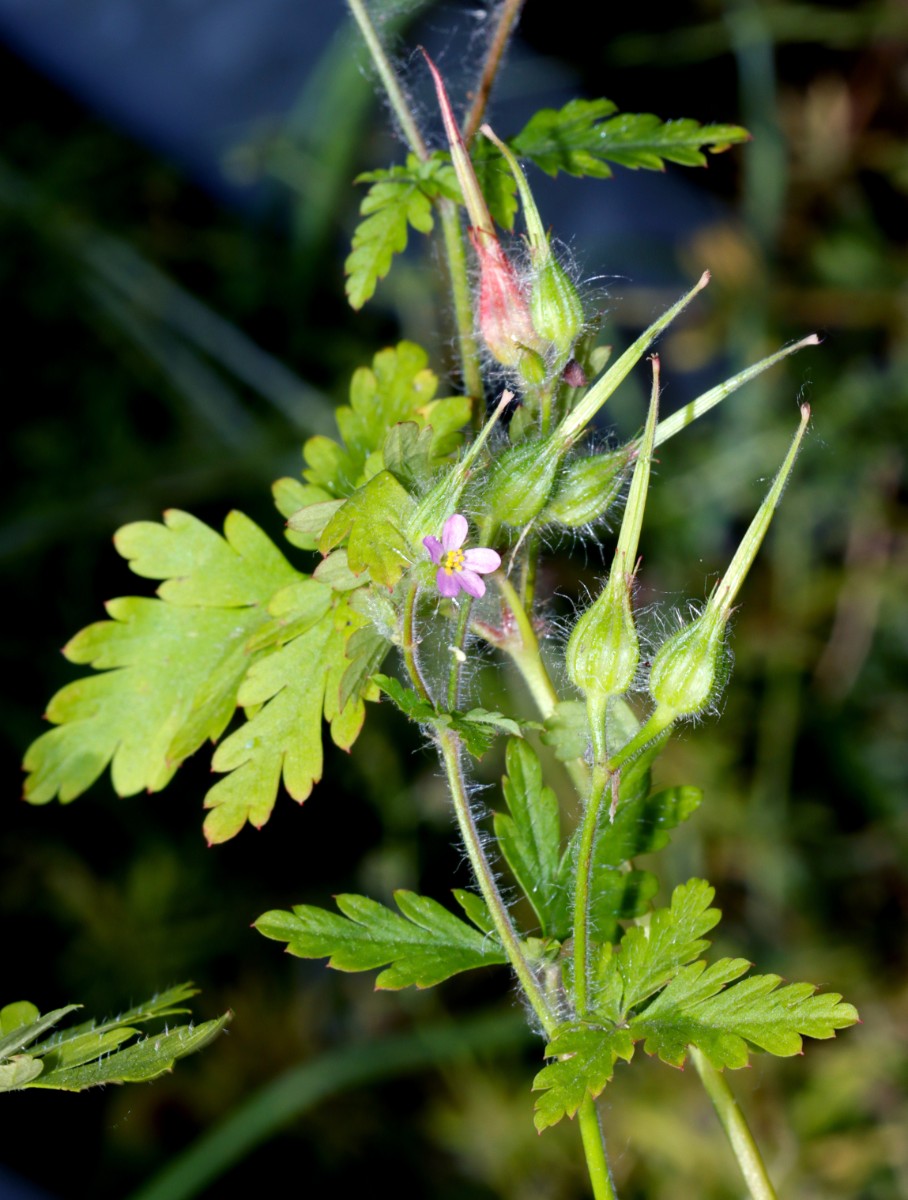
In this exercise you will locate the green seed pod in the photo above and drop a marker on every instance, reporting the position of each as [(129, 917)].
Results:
[(521, 482), (555, 307), (603, 650), (691, 668), (586, 488)]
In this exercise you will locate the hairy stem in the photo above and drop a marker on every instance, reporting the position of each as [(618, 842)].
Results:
[(528, 577), (508, 15), (468, 348), (389, 79), (522, 647), (739, 1136), (410, 643), (582, 887), (594, 1149), (457, 656), (524, 650), (452, 236), (449, 747), (590, 1129)]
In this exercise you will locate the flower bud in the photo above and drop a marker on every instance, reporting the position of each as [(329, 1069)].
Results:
[(521, 482), (603, 650), (504, 318), (555, 306), (691, 668), (586, 488)]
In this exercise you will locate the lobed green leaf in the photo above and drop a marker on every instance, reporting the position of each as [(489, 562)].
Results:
[(400, 198), (372, 521), (530, 838), (585, 1063), (651, 955), (425, 945), (201, 568), (170, 668), (290, 691), (584, 136), (697, 1008)]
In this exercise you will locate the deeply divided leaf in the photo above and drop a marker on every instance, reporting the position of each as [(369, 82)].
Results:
[(424, 945), (585, 1062), (651, 955), (290, 691), (399, 198), (95, 1053), (697, 1008), (170, 669), (584, 136), (530, 838)]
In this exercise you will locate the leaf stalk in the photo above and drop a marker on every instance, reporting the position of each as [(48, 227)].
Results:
[(736, 1129)]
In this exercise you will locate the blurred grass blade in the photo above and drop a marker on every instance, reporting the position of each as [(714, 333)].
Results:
[(213, 400), (161, 300), (300, 1089)]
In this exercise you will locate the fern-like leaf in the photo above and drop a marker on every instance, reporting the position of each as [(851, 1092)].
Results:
[(586, 135)]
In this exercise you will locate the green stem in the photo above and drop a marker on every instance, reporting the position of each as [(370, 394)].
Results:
[(450, 222), (583, 887), (739, 1136), (594, 1149), (508, 17), (591, 1132), (389, 79), (528, 580), (523, 650), (409, 643), (463, 305), (463, 624), (449, 748)]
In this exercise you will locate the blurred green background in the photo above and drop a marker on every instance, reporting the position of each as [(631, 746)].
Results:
[(163, 348)]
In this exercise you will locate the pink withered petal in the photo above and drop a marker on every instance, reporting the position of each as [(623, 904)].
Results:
[(482, 560), (454, 533), (435, 548)]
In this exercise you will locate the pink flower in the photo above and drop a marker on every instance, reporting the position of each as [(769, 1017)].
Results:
[(459, 570)]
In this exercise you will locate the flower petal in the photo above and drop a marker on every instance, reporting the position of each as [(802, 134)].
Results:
[(455, 532), (448, 585), (482, 560), (435, 548), (471, 583)]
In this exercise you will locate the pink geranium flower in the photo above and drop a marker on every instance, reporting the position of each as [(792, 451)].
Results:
[(459, 570)]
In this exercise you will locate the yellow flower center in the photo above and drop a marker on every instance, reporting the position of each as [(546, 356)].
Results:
[(453, 561)]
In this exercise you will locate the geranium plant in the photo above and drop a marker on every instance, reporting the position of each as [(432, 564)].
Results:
[(428, 517)]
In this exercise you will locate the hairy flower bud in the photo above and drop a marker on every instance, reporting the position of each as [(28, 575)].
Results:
[(504, 315), (521, 482), (691, 667), (586, 488), (555, 307), (603, 650), (504, 318)]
